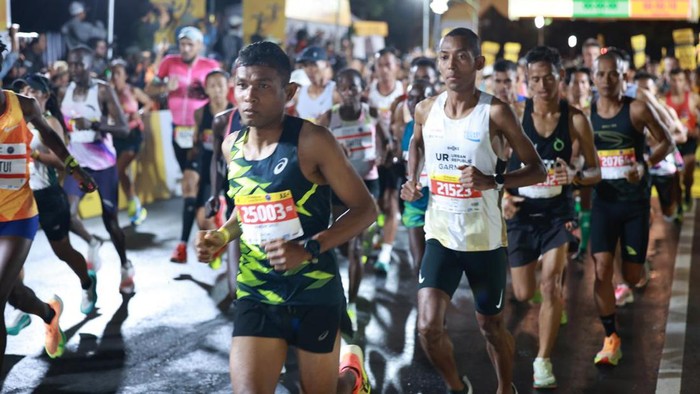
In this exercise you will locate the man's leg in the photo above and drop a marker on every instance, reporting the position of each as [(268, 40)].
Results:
[(319, 372), (256, 363), (603, 291), (553, 263), (524, 281), (108, 189), (501, 348)]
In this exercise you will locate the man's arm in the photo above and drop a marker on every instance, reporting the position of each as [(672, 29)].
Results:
[(218, 128), (48, 157), (643, 116), (583, 133), (108, 98)]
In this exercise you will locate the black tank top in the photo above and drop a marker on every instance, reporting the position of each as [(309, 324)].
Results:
[(204, 128), (556, 145), (317, 283), (613, 137)]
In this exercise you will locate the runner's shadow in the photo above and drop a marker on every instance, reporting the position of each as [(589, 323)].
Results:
[(103, 363), (9, 361), (139, 241), (205, 286)]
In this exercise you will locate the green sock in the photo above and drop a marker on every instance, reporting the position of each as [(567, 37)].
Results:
[(585, 229)]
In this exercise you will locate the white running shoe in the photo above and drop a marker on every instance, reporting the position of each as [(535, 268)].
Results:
[(623, 295), (87, 305), (542, 376), (94, 262), (127, 283)]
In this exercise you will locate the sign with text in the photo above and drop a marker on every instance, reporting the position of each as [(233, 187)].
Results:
[(602, 9)]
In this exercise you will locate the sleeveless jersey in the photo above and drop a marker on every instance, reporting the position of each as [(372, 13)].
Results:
[(383, 103), (687, 116), (620, 146), (359, 137), (547, 198), (41, 176), (206, 135), (95, 155), (130, 106), (16, 198), (405, 145), (311, 108), (274, 200), (461, 219)]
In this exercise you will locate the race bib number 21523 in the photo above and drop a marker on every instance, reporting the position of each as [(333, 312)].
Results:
[(449, 194)]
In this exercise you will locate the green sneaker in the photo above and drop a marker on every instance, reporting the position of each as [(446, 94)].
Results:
[(55, 338), (87, 305)]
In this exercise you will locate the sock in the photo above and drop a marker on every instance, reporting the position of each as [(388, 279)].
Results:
[(50, 315), (585, 229), (137, 202), (86, 285), (609, 324), (94, 241), (385, 253), (188, 215)]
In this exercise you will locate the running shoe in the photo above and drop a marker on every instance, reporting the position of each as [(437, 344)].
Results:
[(55, 338), (17, 321), (467, 386), (87, 305), (611, 353), (542, 376), (381, 266), (351, 358), (352, 314), (132, 207), (127, 283), (139, 216), (537, 297), (94, 262), (179, 254), (623, 295)]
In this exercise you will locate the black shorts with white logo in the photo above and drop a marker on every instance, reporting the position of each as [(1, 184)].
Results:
[(442, 269), (312, 328), (528, 239), (627, 222)]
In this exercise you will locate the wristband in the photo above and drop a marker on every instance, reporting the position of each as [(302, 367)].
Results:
[(224, 233), (70, 163), (35, 154)]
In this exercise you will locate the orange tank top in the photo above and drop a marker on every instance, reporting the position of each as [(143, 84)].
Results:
[(686, 115), (16, 198)]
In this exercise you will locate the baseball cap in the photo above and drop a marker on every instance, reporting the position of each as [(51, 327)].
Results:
[(76, 8), (35, 81), (300, 78), (312, 54), (192, 33)]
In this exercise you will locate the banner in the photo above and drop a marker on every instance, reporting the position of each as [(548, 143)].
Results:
[(371, 28), (5, 14), (639, 45), (684, 40), (602, 9), (330, 12), (184, 12), (263, 20), (511, 51), (489, 50)]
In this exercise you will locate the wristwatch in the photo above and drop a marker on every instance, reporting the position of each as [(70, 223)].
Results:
[(500, 181), (313, 247)]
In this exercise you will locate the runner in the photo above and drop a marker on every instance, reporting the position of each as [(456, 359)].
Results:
[(540, 217), (580, 90), (314, 100), (461, 134), (18, 212), (184, 75), (382, 94), (354, 128), (288, 279), (90, 134), (687, 106), (505, 73), (127, 148), (621, 200)]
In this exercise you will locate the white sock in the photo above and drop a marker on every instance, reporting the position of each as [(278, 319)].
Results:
[(385, 253)]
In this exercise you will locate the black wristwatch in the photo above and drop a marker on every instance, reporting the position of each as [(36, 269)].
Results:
[(500, 181), (313, 247), (95, 125)]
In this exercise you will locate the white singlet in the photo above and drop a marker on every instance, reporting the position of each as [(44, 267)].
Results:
[(311, 108)]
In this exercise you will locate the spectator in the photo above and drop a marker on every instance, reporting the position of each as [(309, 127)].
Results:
[(231, 42), (34, 54), (77, 31), (58, 74), (100, 61)]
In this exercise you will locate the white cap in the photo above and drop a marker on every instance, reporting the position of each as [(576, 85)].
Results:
[(300, 78), (192, 33), (76, 8), (235, 20)]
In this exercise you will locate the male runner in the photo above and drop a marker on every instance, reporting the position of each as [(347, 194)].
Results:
[(580, 90), (89, 106), (282, 170), (184, 74), (687, 106), (314, 100), (539, 217), (461, 134), (382, 94), (505, 73), (621, 200)]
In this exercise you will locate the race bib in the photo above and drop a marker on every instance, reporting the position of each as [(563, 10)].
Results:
[(615, 163), (450, 196), (184, 136), (267, 217), (13, 166), (83, 136), (359, 140), (208, 139), (547, 189)]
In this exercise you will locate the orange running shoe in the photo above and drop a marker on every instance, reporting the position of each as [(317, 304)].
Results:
[(179, 254), (55, 338), (611, 353), (351, 358)]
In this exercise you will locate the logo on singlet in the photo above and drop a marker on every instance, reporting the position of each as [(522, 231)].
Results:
[(280, 166), (8, 129), (473, 136), (558, 145)]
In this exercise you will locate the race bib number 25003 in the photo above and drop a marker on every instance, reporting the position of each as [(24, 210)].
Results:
[(268, 217)]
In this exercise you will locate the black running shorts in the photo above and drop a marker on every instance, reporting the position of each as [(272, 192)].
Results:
[(529, 239), (627, 222), (442, 268), (54, 212)]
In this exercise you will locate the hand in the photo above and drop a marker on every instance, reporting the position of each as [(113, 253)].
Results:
[(472, 178), (207, 244), (635, 174), (211, 207), (85, 181), (511, 205), (285, 255), (411, 191), (173, 83), (563, 173)]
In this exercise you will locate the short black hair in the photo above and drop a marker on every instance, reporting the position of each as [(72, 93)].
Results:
[(217, 71), (644, 75), (386, 51), (268, 54), (473, 41), (352, 73), (425, 85), (571, 71), (590, 42), (544, 54), (423, 61), (504, 66), (676, 71)]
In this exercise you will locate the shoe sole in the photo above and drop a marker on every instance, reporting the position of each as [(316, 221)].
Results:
[(25, 321), (608, 361), (62, 342)]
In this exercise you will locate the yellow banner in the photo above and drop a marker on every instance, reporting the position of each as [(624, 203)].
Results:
[(686, 56), (639, 44), (263, 20), (370, 28), (511, 51), (489, 50), (330, 12), (684, 37), (5, 15), (182, 9)]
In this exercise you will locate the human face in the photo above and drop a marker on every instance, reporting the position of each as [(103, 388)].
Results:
[(648, 85), (189, 49), (502, 84), (679, 83), (260, 95), (216, 87), (37, 94), (669, 64), (350, 89), (607, 78), (101, 49), (118, 76), (386, 67), (315, 71), (590, 53), (415, 95), (79, 66), (580, 85), (543, 81), (457, 64), (425, 73)]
